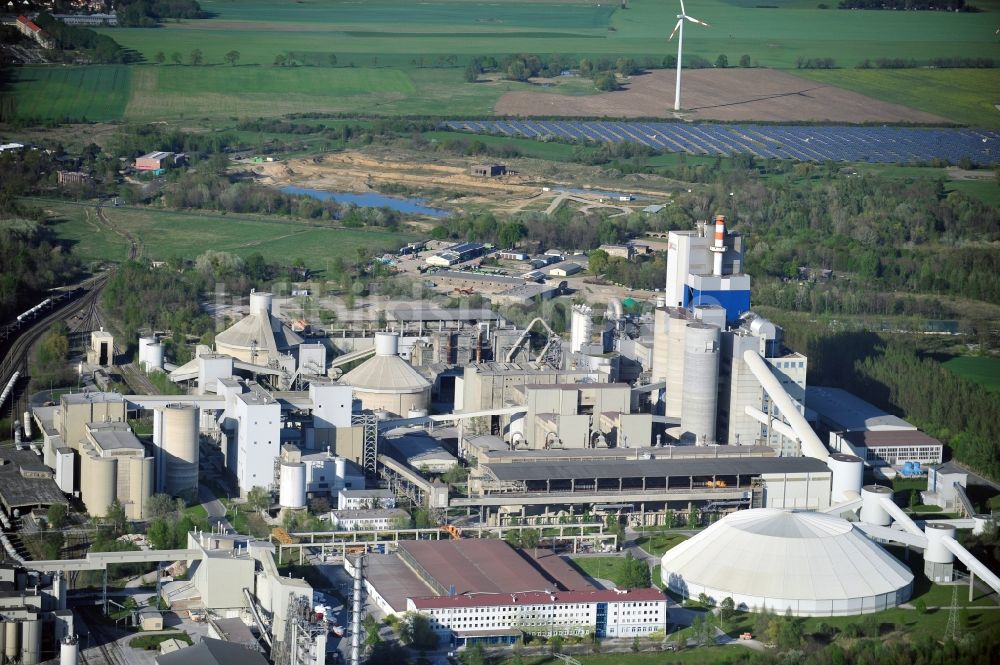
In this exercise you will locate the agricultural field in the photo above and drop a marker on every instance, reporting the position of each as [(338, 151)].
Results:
[(165, 234), (982, 370), (98, 93)]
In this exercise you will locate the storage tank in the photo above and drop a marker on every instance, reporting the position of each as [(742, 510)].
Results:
[(12, 643), (27, 425), (659, 370), (388, 383), (31, 642), (936, 552), (674, 374), (872, 511), (100, 485), (292, 490), (848, 472), (260, 303), (180, 448), (69, 651), (144, 342), (154, 357), (701, 381), (581, 327), (340, 469)]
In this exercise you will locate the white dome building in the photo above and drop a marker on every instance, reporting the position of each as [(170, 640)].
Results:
[(809, 563), (258, 338), (387, 382)]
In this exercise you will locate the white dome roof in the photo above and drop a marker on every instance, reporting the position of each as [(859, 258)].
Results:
[(386, 374), (811, 563)]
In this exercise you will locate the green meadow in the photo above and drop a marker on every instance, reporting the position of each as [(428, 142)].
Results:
[(165, 234), (980, 369)]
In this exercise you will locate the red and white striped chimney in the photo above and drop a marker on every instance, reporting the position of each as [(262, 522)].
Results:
[(719, 247)]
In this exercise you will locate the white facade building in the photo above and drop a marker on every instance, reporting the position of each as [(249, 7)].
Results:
[(354, 499), (607, 613), (367, 520)]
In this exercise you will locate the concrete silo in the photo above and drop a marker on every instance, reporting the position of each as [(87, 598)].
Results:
[(701, 382), (12, 640), (99, 483), (31, 642), (144, 343), (69, 651), (180, 449), (674, 341), (581, 327), (848, 472), (154, 357), (292, 488), (388, 383)]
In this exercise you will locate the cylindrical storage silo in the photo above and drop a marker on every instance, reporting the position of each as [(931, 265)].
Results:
[(581, 327), (847, 472), (144, 342), (69, 651), (180, 448), (701, 381), (340, 468), (12, 642), (3, 641), (292, 490), (27, 425), (659, 369), (386, 344), (99, 484), (31, 643), (936, 552), (674, 373), (872, 510), (154, 357), (260, 304)]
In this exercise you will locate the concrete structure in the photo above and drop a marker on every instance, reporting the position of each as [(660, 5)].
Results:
[(458, 253), (26, 483), (945, 484), (259, 338), (706, 267), (565, 269), (808, 564), (889, 447), (701, 371), (177, 451), (102, 349), (155, 161), (367, 519), (150, 618), (351, 499), (388, 383), (212, 652), (115, 467), (487, 170)]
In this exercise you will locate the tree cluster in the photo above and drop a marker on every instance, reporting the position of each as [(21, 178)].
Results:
[(149, 13), (815, 63), (909, 5), (940, 63), (168, 526), (635, 573), (98, 47)]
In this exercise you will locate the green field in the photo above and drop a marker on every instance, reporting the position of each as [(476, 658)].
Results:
[(165, 234), (97, 93), (983, 370), (658, 544), (397, 57), (966, 95)]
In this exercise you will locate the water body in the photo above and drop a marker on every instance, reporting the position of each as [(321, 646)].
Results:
[(371, 200)]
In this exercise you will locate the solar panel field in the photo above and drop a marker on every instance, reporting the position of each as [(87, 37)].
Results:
[(805, 143)]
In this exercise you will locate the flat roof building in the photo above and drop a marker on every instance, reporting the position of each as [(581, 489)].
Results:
[(889, 447)]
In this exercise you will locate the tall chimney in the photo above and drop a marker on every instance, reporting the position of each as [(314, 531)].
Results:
[(719, 247)]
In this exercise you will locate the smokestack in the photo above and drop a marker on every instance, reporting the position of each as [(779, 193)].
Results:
[(719, 247)]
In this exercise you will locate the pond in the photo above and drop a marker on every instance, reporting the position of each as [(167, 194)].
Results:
[(371, 200)]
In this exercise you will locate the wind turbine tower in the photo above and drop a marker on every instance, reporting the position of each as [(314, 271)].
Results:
[(679, 31)]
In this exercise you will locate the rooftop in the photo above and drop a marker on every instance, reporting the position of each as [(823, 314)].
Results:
[(891, 438), (421, 312), (393, 580), (542, 598), (477, 277), (91, 397), (366, 494), (212, 652), (472, 566), (18, 491), (114, 436), (369, 514), (844, 411), (749, 466)]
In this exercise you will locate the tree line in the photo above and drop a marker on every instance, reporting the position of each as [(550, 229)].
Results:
[(98, 47), (149, 13), (909, 5)]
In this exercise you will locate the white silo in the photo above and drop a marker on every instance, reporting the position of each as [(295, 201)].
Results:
[(872, 510), (154, 357), (936, 551), (69, 651), (27, 425), (144, 343), (674, 373), (386, 383), (848, 472), (581, 327), (701, 381), (180, 449), (340, 469), (31, 642), (292, 489), (659, 369), (12, 640), (260, 303)]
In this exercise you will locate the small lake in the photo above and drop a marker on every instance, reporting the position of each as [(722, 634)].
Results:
[(371, 200)]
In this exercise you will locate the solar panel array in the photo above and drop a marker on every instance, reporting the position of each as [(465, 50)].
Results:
[(800, 142)]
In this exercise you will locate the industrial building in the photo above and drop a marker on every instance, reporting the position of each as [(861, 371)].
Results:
[(483, 591), (806, 563), (114, 467), (458, 253), (388, 383)]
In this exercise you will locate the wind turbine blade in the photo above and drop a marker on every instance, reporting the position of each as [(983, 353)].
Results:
[(682, 8), (676, 28), (694, 20)]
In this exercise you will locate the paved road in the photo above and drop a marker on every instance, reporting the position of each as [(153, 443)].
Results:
[(216, 511)]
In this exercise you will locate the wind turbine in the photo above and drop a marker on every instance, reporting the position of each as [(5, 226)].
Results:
[(679, 31)]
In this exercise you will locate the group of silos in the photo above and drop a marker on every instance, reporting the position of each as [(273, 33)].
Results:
[(686, 358), (21, 642), (150, 353)]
